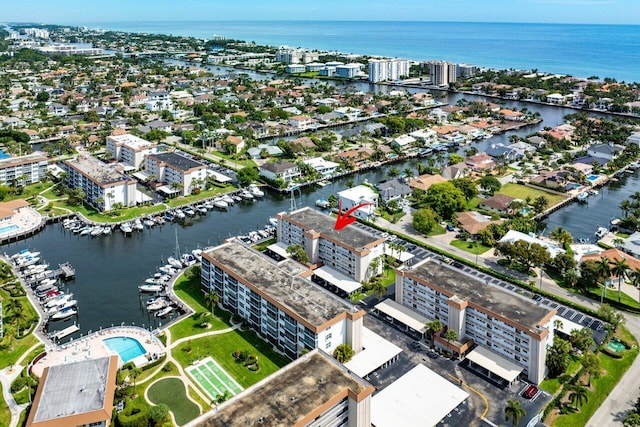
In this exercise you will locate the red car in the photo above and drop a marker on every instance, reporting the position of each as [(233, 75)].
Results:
[(530, 392)]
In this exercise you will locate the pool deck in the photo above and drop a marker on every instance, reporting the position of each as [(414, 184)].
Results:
[(92, 347)]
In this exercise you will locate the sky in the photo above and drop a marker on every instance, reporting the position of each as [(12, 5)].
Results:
[(85, 12)]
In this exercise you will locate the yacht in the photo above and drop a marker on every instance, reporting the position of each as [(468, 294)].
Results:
[(189, 211), (202, 209), (220, 204), (228, 199), (236, 198), (64, 314), (168, 309), (179, 213), (601, 232), (106, 229), (255, 191), (86, 230), (126, 228), (169, 216), (246, 195), (137, 224), (582, 197), (97, 230), (323, 203), (149, 222), (150, 288), (175, 263)]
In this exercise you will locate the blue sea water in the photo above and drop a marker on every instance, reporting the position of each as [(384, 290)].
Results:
[(578, 50)]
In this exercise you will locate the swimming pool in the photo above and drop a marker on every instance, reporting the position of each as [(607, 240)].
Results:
[(8, 228), (127, 348), (593, 178)]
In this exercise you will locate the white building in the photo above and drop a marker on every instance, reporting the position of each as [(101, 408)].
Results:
[(322, 166), (295, 56), (24, 169), (556, 98), (104, 185), (349, 250), (301, 122), (510, 330), (361, 194), (349, 113), (634, 138), (278, 302), (348, 71), (129, 149), (381, 70), (176, 170), (281, 169)]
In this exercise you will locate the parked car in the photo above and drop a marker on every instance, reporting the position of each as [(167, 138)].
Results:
[(530, 391), (450, 227)]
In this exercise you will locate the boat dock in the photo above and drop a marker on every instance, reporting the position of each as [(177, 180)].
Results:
[(65, 272), (65, 332)]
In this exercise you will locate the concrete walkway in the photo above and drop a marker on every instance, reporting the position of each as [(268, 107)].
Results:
[(7, 376), (623, 397)]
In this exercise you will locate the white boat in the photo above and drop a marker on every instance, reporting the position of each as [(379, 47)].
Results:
[(273, 221), (189, 211), (86, 230), (137, 224), (601, 232), (64, 306), (255, 191), (126, 228), (236, 198), (167, 269), (175, 263), (47, 282), (208, 205), (197, 253), (220, 204), (149, 223), (323, 183), (593, 192), (202, 209), (188, 259), (164, 311), (64, 314), (106, 229), (24, 263), (582, 197), (97, 230), (246, 195), (323, 203), (227, 198), (57, 302), (24, 254), (159, 220), (150, 288), (179, 214), (158, 304)]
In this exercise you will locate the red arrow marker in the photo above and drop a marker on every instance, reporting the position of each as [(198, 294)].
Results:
[(343, 220)]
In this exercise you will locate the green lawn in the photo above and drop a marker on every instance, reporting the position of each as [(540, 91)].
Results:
[(8, 358), (473, 203), (171, 392), (615, 369), (436, 230), (191, 325), (475, 248), (389, 276), (225, 156), (260, 247), (5, 414), (522, 192), (552, 385), (179, 201), (123, 215), (221, 347), (189, 292)]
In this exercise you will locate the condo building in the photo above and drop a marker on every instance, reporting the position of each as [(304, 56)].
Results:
[(505, 326), (381, 70), (278, 301), (180, 173), (350, 250), (313, 391), (129, 149), (442, 73), (104, 185), (24, 169)]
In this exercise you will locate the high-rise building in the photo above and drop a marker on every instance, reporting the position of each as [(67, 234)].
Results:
[(442, 73), (381, 70)]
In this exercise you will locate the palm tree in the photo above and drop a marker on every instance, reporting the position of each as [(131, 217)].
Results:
[(379, 288), (433, 326), (513, 412), (135, 373), (578, 394), (212, 299), (620, 270), (562, 236), (604, 270)]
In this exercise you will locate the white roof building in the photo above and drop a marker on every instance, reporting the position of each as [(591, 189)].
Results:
[(361, 194), (514, 236)]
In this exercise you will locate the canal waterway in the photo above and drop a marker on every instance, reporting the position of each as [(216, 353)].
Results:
[(109, 268)]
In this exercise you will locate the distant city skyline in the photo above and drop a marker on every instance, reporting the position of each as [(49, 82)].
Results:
[(75, 12)]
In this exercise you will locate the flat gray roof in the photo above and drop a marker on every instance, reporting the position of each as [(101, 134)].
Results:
[(73, 389), (288, 395), (351, 236), (466, 287), (100, 172), (177, 161), (280, 281)]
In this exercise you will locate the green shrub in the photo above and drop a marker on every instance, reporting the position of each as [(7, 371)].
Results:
[(134, 414)]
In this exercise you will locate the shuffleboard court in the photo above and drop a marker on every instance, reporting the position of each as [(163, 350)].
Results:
[(213, 379)]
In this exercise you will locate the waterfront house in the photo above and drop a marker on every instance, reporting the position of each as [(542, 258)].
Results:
[(360, 194), (269, 150), (634, 138), (301, 122), (403, 143), (500, 203), (473, 222), (324, 167), (613, 255), (556, 98), (459, 170), (281, 169), (480, 162), (514, 116), (604, 151), (393, 189)]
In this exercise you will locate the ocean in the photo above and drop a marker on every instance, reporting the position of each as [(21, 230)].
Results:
[(577, 50)]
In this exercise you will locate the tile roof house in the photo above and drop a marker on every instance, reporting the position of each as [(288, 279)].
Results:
[(423, 182), (498, 203), (473, 222), (480, 161)]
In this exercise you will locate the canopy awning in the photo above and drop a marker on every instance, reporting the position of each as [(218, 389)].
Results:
[(280, 249), (495, 363), (337, 279), (168, 190), (403, 314)]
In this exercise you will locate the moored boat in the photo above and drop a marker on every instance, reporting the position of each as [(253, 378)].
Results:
[(150, 288), (165, 311), (64, 314)]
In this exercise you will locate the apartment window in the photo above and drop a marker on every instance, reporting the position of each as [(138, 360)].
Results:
[(328, 337), (517, 340)]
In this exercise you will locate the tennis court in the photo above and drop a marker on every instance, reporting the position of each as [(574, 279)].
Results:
[(213, 379)]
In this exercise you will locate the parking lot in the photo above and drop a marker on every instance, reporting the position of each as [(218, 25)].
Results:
[(469, 412)]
